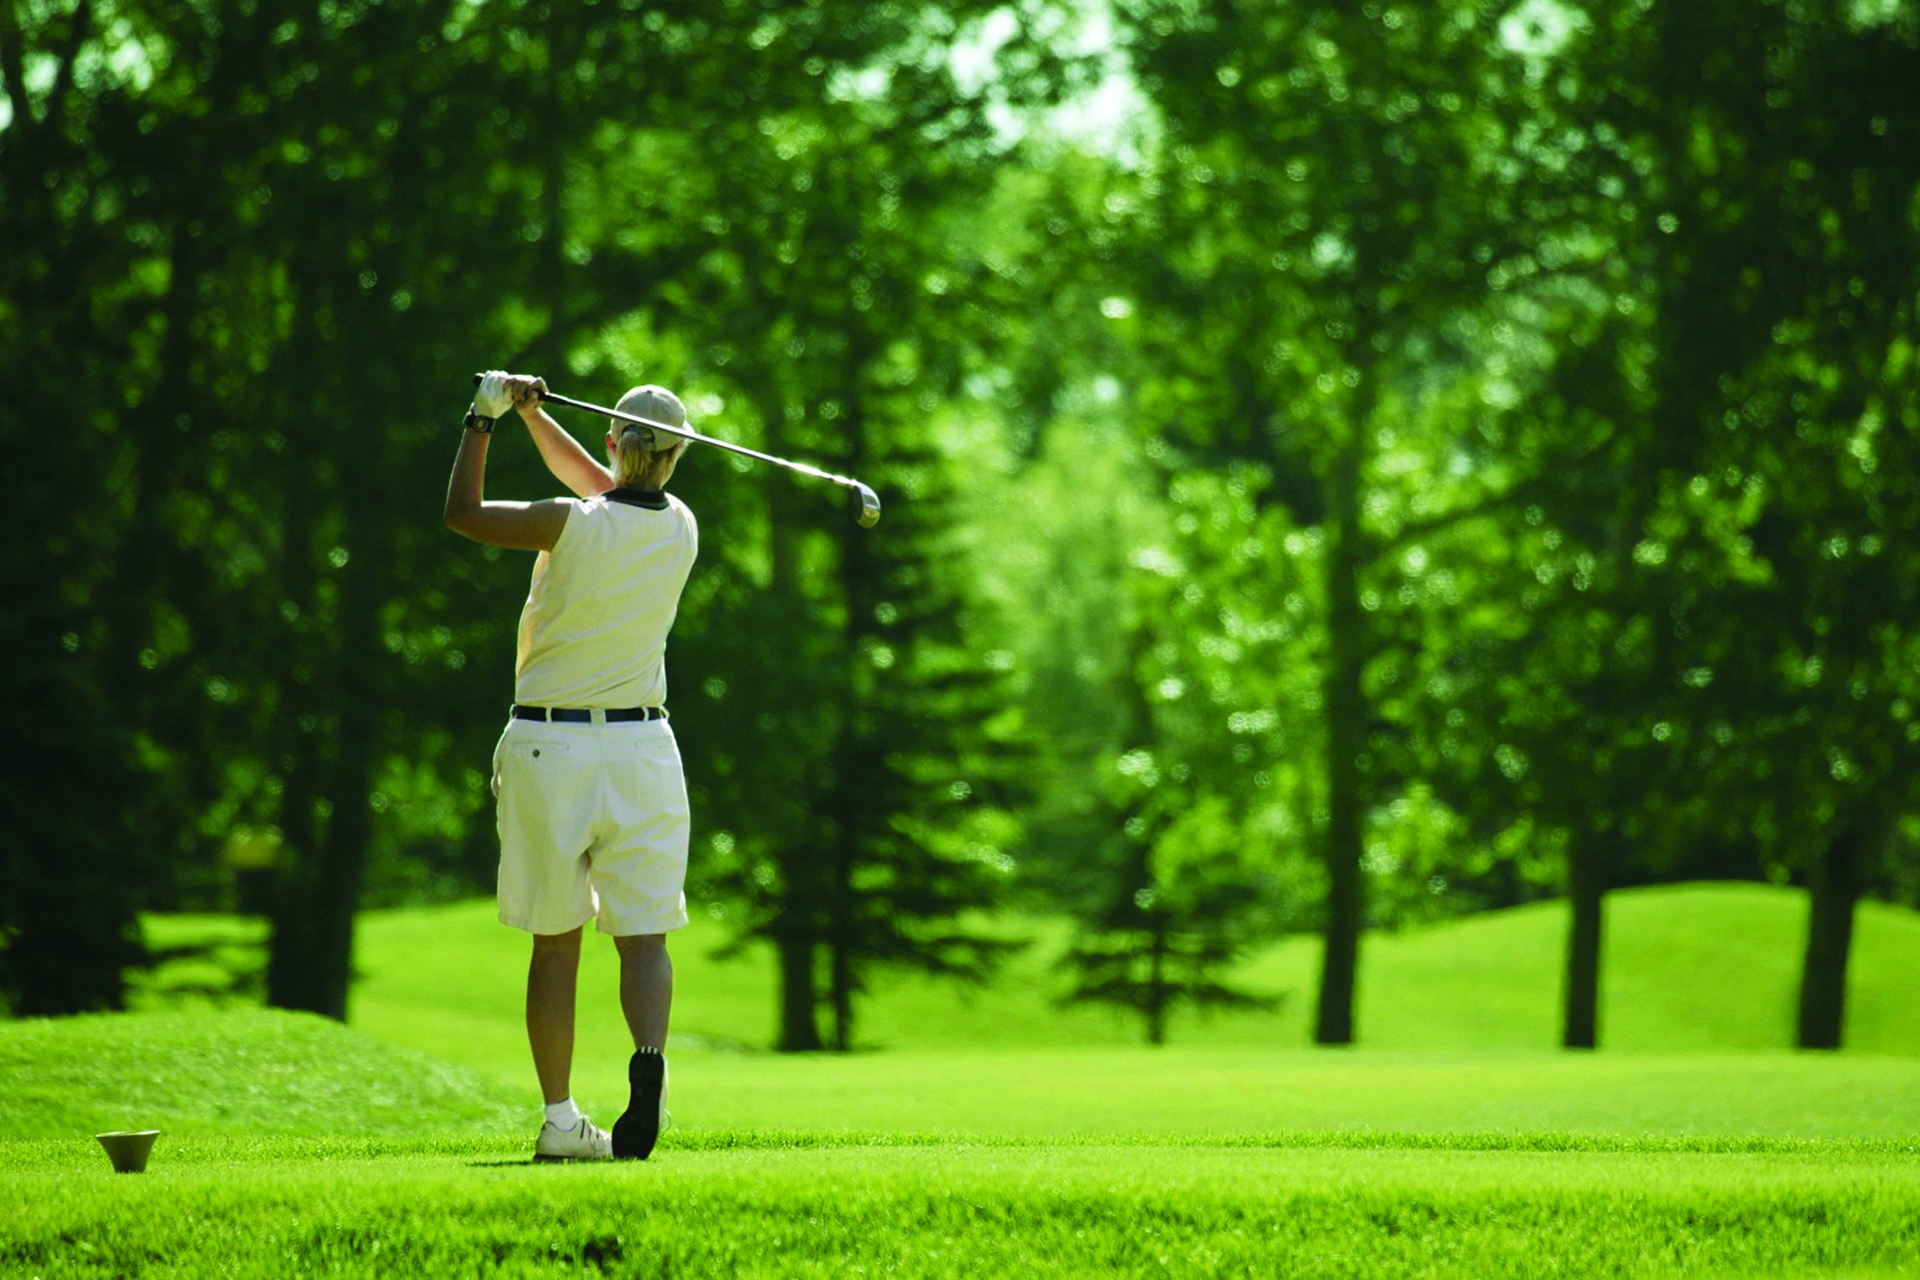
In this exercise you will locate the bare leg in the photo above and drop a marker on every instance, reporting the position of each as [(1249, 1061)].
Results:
[(646, 988), (551, 980)]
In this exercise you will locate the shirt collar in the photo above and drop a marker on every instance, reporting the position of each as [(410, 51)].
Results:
[(651, 499)]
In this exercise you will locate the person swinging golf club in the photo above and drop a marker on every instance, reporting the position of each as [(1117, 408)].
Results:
[(592, 801)]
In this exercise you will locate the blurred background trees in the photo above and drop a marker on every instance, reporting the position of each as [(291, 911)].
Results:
[(1417, 460)]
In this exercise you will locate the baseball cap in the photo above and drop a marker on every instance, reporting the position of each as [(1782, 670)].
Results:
[(657, 404)]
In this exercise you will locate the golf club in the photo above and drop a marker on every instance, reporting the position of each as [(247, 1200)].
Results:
[(868, 514)]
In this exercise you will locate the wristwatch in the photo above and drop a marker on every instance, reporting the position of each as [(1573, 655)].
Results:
[(475, 422)]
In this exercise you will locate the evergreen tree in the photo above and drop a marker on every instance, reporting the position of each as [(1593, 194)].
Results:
[(881, 744), (1167, 905)]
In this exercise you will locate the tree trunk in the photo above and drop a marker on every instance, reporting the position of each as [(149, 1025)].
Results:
[(1333, 1022), (1586, 879), (793, 927), (311, 966), (343, 855), (292, 944), (1157, 999), (799, 1030), (840, 985), (851, 796), (1833, 889)]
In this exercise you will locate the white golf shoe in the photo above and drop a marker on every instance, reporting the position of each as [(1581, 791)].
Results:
[(585, 1141)]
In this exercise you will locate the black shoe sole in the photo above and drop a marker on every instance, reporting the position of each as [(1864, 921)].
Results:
[(635, 1132)]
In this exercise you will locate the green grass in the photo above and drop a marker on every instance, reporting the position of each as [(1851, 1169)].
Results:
[(999, 1136), (204, 959), (1689, 970), (971, 1210), (252, 1071)]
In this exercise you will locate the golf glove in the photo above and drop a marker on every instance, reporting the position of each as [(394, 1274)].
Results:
[(492, 400)]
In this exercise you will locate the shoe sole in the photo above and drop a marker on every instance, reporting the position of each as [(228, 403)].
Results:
[(540, 1159), (635, 1133)]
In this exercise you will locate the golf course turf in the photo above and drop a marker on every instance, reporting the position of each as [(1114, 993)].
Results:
[(399, 1145)]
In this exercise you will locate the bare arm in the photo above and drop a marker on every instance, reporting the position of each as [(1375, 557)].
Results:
[(565, 457), (519, 526)]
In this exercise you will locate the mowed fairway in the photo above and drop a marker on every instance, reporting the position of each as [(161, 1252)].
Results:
[(996, 1137), (965, 1209)]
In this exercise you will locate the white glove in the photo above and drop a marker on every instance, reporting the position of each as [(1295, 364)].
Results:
[(491, 399)]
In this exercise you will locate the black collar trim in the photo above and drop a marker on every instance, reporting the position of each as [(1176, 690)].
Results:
[(651, 499)]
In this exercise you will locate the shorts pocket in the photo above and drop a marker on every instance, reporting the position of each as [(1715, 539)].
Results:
[(528, 752)]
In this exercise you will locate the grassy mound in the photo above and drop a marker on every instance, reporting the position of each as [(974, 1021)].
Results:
[(1692, 967), (230, 1074)]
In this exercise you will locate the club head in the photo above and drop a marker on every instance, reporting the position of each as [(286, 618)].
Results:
[(869, 513)]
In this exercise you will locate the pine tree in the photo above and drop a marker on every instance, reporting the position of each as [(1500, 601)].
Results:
[(1156, 926)]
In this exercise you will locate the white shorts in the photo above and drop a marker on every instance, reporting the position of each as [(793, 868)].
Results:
[(593, 825)]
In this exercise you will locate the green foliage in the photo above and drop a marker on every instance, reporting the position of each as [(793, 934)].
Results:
[(863, 761), (1500, 305), (1135, 829), (70, 867), (1317, 230), (1449, 451), (200, 960), (1678, 570), (266, 215)]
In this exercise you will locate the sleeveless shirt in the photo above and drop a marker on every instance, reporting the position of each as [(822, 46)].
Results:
[(594, 629)]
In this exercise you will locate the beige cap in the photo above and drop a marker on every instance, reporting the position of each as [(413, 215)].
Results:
[(657, 404)]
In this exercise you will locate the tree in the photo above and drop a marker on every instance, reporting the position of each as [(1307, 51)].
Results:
[(62, 449), (1332, 194), (1778, 380), (267, 209), (1137, 833), (824, 287), (885, 836)]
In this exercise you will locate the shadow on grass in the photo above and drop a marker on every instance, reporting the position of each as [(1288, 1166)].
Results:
[(529, 1162)]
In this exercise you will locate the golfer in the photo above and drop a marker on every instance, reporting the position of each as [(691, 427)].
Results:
[(592, 802)]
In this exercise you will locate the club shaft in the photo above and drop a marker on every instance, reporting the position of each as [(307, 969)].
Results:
[(869, 501), (690, 434)]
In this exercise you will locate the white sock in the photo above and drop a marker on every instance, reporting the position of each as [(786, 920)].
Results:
[(563, 1114)]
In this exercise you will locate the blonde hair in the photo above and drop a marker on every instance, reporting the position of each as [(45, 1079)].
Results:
[(642, 457)]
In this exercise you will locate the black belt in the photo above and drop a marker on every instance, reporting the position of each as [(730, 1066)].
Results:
[(580, 715)]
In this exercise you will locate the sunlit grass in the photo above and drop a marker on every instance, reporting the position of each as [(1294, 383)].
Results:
[(961, 1209), (1689, 969), (237, 1072), (295, 1146), (998, 1135)]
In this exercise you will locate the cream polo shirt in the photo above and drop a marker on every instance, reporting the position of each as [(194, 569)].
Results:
[(594, 630)]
